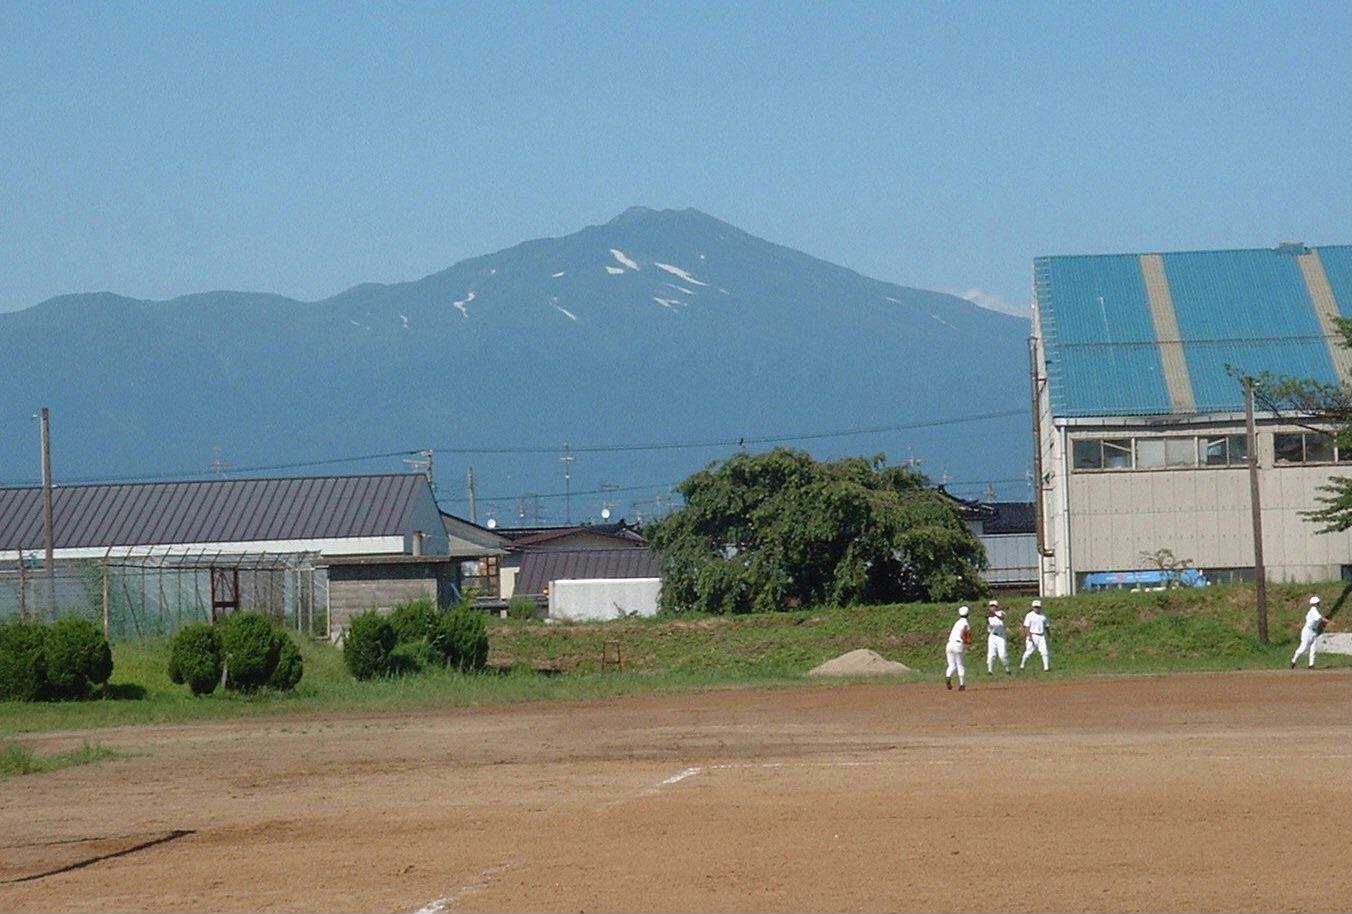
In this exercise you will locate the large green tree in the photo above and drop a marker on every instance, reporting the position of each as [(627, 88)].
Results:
[(1325, 409), (776, 530)]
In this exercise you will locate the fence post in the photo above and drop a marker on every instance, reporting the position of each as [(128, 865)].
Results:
[(104, 565)]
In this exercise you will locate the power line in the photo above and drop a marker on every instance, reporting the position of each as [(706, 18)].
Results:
[(736, 442), (588, 449)]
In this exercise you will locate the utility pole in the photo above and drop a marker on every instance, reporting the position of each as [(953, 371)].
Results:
[(567, 460), (473, 510), (1259, 573), (424, 466), (49, 561)]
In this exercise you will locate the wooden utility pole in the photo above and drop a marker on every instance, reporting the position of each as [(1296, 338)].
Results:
[(49, 561), (1255, 505), (473, 509)]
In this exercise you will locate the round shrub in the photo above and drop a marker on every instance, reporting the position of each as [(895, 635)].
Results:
[(251, 648), (367, 645), (23, 664), (197, 658), (414, 621), (78, 656), (463, 639), (407, 659), (289, 666)]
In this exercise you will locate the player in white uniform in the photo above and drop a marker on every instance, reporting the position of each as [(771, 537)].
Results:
[(1035, 627), (958, 639), (1309, 633), (997, 639)]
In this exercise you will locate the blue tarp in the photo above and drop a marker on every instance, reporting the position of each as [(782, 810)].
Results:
[(1111, 580)]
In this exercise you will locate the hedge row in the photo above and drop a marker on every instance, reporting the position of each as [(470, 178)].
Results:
[(66, 660), (246, 651), (415, 636)]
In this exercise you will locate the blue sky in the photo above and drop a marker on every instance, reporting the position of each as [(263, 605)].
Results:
[(156, 150)]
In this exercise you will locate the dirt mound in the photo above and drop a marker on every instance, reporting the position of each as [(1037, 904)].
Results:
[(862, 662)]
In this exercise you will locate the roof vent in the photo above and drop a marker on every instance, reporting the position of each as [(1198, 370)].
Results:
[(1292, 247)]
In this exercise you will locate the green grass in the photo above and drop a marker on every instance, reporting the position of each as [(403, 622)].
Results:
[(1111, 633), (16, 759)]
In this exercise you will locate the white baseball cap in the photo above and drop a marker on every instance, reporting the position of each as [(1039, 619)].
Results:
[(993, 603), (963, 610), (1314, 601), (1037, 604)]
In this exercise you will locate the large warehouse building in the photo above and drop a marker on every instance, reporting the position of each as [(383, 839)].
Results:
[(1140, 429)]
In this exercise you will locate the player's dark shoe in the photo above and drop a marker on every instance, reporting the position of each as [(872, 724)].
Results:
[(962, 688), (949, 683), (1293, 664)]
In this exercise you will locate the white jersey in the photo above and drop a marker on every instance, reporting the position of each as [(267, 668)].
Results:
[(955, 641), (995, 624), (1312, 619), (1036, 623)]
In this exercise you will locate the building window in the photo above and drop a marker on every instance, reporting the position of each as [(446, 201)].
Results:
[(1305, 447), (1117, 454), (1087, 454)]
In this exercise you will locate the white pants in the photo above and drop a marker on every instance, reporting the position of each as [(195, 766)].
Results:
[(1036, 643), (1308, 639), (996, 646), (956, 661)]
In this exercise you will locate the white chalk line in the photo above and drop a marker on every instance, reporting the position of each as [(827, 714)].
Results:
[(481, 882)]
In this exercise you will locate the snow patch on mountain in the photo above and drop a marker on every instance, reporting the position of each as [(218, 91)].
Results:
[(942, 321), (677, 271), (465, 301), (558, 274), (624, 259), (404, 318), (614, 271), (671, 285), (562, 310), (890, 298), (671, 303)]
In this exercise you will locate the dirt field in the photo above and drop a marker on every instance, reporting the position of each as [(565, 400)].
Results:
[(1190, 793)]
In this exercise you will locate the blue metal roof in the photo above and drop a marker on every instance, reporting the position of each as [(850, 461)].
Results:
[(1249, 309)]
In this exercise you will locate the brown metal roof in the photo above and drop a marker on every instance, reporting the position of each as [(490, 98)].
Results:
[(212, 511), (539, 568)]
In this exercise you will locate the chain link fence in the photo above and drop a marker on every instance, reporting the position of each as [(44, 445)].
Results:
[(153, 596)]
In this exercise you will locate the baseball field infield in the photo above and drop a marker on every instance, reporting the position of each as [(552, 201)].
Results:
[(1225, 791)]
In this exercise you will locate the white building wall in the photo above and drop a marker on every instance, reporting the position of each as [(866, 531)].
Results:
[(603, 598), (1105, 520)]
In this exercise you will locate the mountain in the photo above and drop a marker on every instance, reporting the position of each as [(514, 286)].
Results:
[(657, 327)]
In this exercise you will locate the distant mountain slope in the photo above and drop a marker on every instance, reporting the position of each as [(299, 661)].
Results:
[(656, 327)]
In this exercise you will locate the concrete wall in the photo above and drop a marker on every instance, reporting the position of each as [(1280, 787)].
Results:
[(1103, 520), (357, 588), (603, 598)]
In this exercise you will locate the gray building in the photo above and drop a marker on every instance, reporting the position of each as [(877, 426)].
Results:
[(1008, 531), (373, 540), (1139, 428)]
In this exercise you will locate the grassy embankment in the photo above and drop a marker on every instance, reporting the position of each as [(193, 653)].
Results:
[(1114, 633)]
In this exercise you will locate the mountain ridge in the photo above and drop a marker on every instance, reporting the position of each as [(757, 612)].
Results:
[(653, 326)]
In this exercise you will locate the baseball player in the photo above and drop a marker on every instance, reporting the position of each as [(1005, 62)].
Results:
[(997, 642), (1309, 633), (958, 639), (1035, 627)]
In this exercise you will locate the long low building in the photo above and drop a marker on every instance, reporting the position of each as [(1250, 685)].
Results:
[(378, 539), (1140, 438)]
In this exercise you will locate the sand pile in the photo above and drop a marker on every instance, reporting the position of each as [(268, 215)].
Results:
[(862, 662)]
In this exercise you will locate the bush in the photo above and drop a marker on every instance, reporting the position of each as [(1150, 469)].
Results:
[(463, 639), (78, 656), (367, 645), (521, 607), (290, 667), (251, 648), (407, 659), (23, 662), (414, 621), (196, 657)]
